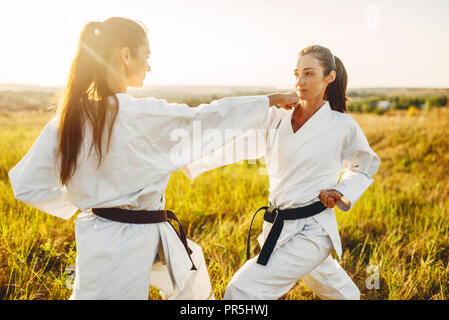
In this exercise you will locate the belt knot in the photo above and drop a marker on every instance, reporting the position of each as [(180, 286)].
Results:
[(277, 216)]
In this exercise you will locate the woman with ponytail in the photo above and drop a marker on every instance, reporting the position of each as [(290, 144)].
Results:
[(110, 156), (316, 157)]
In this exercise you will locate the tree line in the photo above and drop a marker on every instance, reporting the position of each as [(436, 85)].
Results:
[(382, 104)]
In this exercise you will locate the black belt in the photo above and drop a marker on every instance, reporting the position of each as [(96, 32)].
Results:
[(277, 217), (144, 217)]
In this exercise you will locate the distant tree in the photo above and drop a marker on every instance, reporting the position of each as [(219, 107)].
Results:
[(368, 107), (440, 101), (380, 111), (354, 106)]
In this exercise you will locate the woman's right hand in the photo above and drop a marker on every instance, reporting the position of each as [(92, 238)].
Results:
[(284, 100), (330, 197)]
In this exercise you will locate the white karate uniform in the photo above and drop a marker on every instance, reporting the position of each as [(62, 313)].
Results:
[(114, 260), (299, 166)]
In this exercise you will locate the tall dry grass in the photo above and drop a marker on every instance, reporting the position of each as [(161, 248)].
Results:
[(400, 225)]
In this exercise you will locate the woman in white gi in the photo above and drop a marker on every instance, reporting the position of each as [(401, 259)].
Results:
[(305, 151), (106, 149)]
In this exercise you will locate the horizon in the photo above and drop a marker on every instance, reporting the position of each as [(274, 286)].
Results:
[(147, 86)]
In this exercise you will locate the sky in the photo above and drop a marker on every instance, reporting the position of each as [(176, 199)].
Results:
[(382, 43)]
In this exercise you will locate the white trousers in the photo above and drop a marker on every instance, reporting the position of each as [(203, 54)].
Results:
[(116, 261), (305, 256)]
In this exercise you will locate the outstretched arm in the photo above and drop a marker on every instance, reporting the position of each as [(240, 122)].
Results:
[(250, 144)]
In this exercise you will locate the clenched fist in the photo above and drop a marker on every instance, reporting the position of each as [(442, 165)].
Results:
[(330, 197), (284, 100)]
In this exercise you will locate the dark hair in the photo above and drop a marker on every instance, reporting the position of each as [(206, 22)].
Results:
[(336, 91), (87, 97)]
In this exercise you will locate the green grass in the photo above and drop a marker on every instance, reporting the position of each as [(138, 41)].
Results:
[(400, 224)]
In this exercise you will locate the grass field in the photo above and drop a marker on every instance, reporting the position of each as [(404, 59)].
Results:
[(400, 225)]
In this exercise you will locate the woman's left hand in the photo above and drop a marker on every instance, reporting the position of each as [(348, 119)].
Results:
[(330, 197)]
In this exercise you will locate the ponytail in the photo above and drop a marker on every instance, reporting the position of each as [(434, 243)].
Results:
[(87, 97), (335, 92)]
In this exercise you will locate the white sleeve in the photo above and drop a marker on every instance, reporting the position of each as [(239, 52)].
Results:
[(196, 132), (248, 146), (35, 180), (360, 163)]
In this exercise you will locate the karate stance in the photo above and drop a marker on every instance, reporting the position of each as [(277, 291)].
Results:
[(111, 155), (305, 150)]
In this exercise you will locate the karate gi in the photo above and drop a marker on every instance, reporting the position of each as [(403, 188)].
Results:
[(115, 260), (299, 166)]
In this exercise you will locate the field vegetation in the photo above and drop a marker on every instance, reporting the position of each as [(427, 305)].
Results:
[(399, 228)]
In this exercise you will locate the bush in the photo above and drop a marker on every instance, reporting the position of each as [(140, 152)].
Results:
[(412, 111)]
